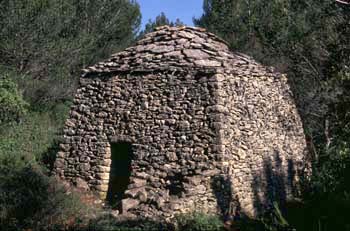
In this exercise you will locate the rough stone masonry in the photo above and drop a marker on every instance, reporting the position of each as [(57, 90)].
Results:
[(210, 130)]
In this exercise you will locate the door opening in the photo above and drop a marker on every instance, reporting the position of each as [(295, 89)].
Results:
[(121, 155)]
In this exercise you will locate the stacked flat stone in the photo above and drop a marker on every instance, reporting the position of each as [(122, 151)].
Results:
[(210, 129), (177, 48)]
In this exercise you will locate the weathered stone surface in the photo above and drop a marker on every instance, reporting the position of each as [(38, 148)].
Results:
[(136, 192), (162, 49), (187, 35), (174, 54), (208, 127), (207, 63), (195, 53), (128, 204), (136, 183), (81, 184)]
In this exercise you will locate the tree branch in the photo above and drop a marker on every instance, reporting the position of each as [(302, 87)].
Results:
[(345, 2)]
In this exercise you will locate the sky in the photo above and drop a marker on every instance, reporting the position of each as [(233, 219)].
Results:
[(185, 10)]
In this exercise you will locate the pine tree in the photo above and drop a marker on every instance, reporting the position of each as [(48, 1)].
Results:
[(51, 40), (160, 20)]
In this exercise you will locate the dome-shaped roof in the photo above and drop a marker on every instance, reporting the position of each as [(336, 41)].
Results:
[(172, 48)]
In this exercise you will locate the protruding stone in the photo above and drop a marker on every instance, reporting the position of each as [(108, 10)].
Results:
[(162, 49), (207, 63), (81, 184), (185, 34), (136, 182), (128, 204), (195, 54), (174, 54)]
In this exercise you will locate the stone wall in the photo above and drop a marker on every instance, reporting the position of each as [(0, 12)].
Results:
[(201, 129), (263, 141), (210, 130), (165, 117)]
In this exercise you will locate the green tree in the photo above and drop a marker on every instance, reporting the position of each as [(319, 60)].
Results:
[(12, 105), (43, 46), (161, 20), (50, 41)]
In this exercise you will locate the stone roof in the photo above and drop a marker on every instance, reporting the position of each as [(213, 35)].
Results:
[(175, 48)]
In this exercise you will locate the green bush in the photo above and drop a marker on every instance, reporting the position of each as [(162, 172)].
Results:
[(108, 222), (273, 220), (28, 197), (50, 41), (199, 222), (35, 136), (22, 192), (12, 104), (31, 199)]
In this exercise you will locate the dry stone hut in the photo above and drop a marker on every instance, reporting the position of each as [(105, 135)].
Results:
[(179, 123)]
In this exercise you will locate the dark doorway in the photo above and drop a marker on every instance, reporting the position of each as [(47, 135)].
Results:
[(121, 155), (175, 187)]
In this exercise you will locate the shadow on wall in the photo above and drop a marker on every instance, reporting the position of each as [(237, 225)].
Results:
[(228, 204), (276, 183)]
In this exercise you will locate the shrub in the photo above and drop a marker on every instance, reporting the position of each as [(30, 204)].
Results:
[(198, 222), (31, 199), (108, 222), (12, 104), (22, 193), (35, 136)]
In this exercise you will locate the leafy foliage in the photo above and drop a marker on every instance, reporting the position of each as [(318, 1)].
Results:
[(34, 136), (108, 222), (199, 221), (43, 45), (12, 104), (50, 41), (29, 198), (161, 20)]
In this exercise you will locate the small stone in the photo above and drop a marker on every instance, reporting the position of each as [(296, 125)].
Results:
[(162, 49), (207, 63), (171, 156), (185, 34), (60, 155), (102, 187), (195, 180), (195, 54), (137, 193), (102, 175), (174, 54), (212, 172), (59, 163), (184, 125), (136, 182), (81, 184), (160, 202), (70, 123), (128, 204)]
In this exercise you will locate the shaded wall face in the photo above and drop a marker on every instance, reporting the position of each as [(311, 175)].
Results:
[(263, 138), (165, 118)]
